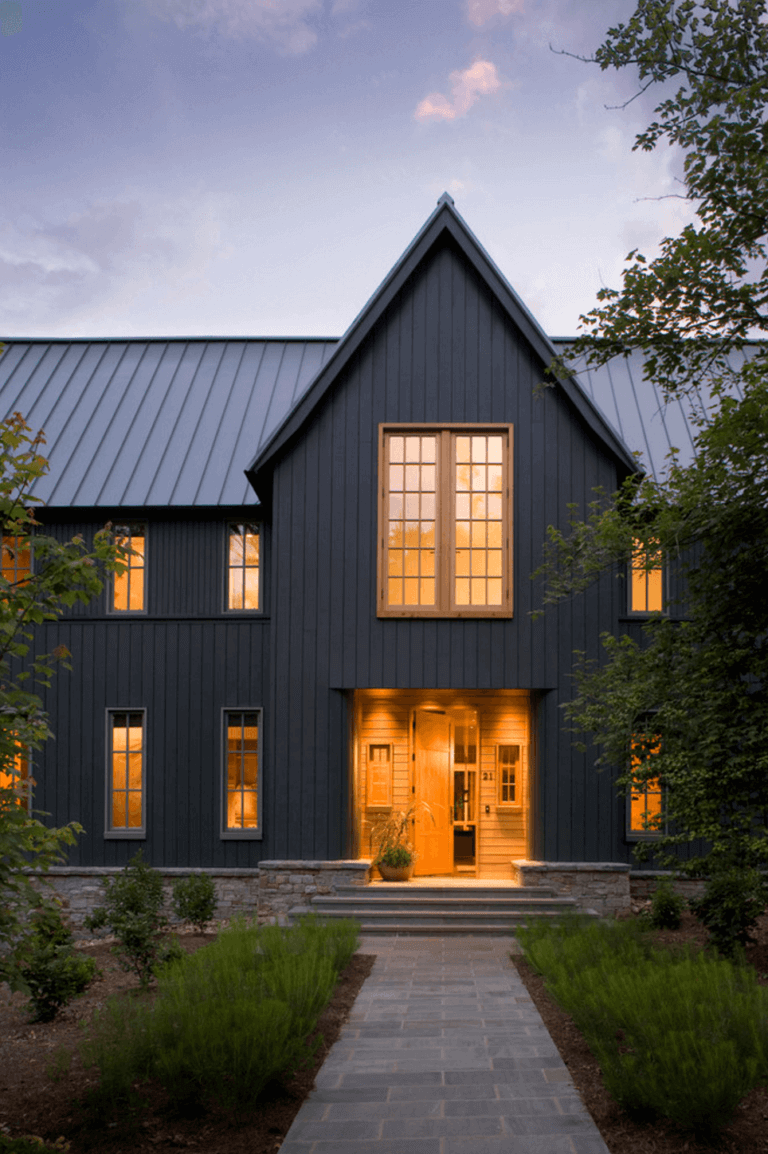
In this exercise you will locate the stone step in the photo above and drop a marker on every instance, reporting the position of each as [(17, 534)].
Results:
[(423, 903), (460, 923), (458, 890)]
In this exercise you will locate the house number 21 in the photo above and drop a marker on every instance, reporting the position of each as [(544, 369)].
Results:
[(488, 776)]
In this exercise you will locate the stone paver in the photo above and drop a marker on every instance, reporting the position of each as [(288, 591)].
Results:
[(443, 1053)]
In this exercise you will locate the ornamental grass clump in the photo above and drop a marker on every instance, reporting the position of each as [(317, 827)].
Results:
[(228, 1018), (677, 1034)]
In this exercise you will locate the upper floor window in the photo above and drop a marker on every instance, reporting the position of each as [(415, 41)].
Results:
[(126, 765), (16, 559), (646, 585), (243, 567), (128, 593), (444, 521), (645, 816), (241, 772), (19, 780)]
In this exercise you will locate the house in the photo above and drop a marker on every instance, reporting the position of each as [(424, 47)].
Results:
[(327, 614)]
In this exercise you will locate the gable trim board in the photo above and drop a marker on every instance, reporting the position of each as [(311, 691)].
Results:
[(164, 432)]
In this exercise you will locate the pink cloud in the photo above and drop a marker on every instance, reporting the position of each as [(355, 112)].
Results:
[(478, 11), (467, 85)]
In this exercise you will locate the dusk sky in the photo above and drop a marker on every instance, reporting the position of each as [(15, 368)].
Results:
[(255, 167)]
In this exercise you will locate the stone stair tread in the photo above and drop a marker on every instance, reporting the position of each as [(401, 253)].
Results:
[(413, 900)]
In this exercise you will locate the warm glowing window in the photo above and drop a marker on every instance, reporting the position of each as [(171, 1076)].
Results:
[(16, 559), (242, 770), (508, 773), (243, 567), (444, 521), (646, 593), (646, 795), (379, 776), (127, 754), (19, 781), (128, 587)]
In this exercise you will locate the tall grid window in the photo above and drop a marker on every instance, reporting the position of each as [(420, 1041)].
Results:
[(242, 770), (507, 773), (445, 525), (19, 781), (128, 587), (645, 809), (16, 559), (126, 740), (646, 585), (243, 567)]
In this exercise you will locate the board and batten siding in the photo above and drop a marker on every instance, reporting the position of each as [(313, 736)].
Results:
[(443, 352)]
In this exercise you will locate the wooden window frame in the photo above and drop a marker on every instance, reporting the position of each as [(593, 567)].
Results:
[(445, 522), (233, 833), (517, 804), (253, 526), (135, 529), (123, 833), (632, 569)]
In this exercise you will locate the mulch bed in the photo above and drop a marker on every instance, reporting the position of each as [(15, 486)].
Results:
[(39, 1095), (746, 1134)]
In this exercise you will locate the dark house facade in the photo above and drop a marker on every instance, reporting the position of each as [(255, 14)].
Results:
[(328, 611)]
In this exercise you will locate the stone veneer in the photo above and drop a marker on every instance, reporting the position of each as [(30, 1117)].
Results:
[(266, 892), (599, 886), (642, 883)]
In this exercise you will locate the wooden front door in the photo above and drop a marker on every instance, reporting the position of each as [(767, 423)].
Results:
[(433, 829)]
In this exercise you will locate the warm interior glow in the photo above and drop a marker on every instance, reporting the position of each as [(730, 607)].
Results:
[(508, 762), (646, 796), (127, 770), (412, 513), (479, 530), (16, 560), (19, 781), (646, 584), (242, 770), (128, 587), (243, 567)]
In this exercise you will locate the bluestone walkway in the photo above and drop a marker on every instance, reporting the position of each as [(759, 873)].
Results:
[(443, 1053)]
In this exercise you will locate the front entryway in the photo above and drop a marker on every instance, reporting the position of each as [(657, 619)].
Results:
[(460, 762)]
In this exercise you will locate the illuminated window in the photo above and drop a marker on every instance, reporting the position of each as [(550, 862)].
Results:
[(125, 787), (645, 810), (128, 587), (508, 773), (646, 581), (19, 781), (444, 517), (243, 567), (379, 776), (241, 772), (16, 559)]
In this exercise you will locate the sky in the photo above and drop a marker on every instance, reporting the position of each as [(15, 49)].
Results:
[(256, 167)]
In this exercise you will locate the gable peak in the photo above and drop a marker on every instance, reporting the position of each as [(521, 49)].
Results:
[(446, 198)]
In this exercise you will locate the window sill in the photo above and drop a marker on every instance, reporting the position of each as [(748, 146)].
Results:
[(242, 835), (125, 835), (448, 614)]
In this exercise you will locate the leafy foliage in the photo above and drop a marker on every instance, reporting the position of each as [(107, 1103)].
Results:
[(666, 907), (733, 901), (61, 574), (48, 968), (678, 1035), (194, 899), (132, 911)]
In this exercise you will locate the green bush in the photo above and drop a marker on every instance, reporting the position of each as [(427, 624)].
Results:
[(48, 969), (132, 911), (733, 901), (666, 907), (677, 1034), (30, 1144), (227, 1018), (194, 899)]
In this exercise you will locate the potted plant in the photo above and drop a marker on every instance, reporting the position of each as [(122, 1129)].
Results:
[(395, 855)]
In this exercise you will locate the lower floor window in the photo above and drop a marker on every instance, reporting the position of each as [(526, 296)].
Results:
[(645, 817), (241, 779), (126, 768), (19, 780)]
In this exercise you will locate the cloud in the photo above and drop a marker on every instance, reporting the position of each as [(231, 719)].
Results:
[(480, 79), (479, 11), (282, 23)]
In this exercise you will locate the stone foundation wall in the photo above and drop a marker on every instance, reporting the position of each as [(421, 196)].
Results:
[(642, 883), (284, 884), (600, 886), (267, 892)]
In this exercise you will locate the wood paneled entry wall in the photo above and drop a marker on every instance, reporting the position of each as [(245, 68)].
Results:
[(463, 758)]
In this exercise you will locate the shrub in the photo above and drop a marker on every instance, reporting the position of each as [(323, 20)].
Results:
[(733, 901), (194, 899), (666, 907), (396, 856), (132, 911), (676, 1034), (198, 1038), (48, 968)]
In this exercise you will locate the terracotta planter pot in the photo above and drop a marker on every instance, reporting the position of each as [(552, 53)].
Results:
[(396, 873)]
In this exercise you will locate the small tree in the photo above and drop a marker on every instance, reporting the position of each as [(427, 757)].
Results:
[(40, 577)]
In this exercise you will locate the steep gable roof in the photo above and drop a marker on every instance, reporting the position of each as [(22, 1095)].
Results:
[(444, 222)]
